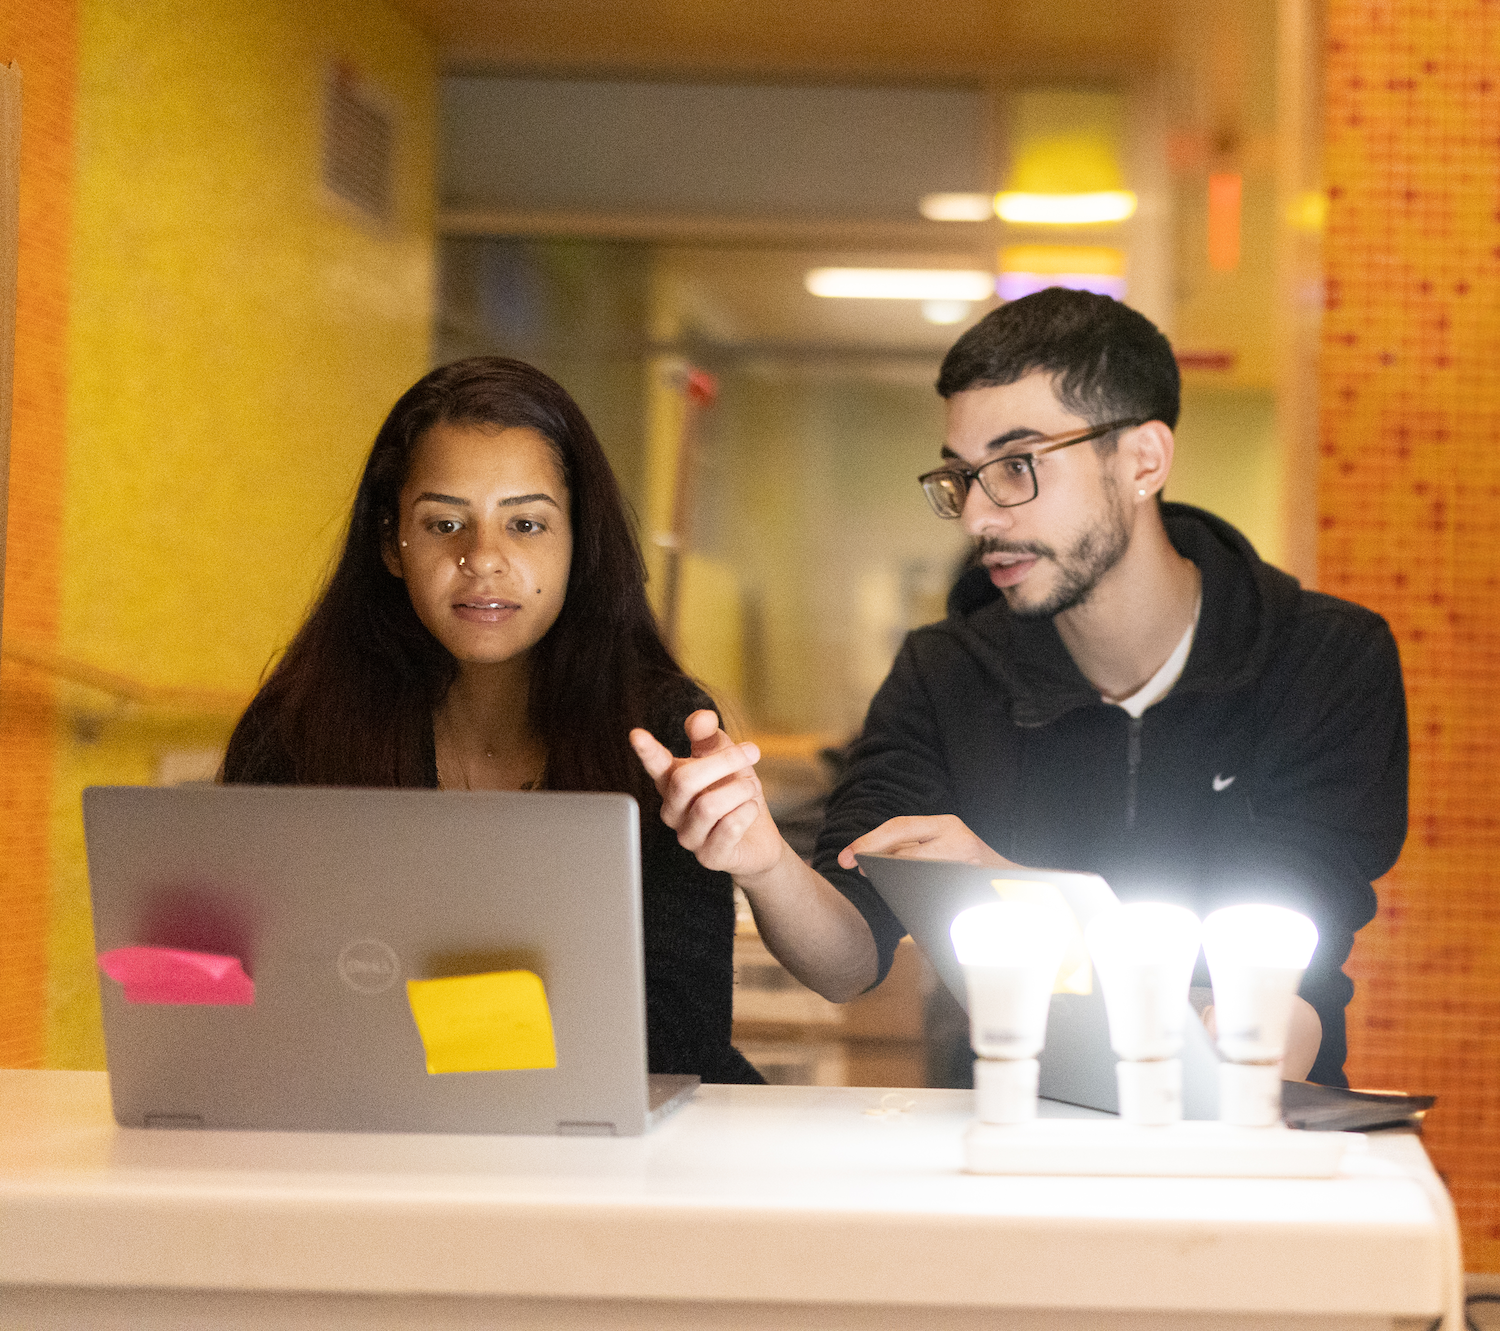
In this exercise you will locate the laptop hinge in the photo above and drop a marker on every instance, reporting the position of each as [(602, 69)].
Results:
[(584, 1129), (174, 1120)]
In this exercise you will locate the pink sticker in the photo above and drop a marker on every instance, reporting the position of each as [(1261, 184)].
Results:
[(174, 975)]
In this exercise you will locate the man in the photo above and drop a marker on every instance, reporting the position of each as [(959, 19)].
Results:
[(1121, 686)]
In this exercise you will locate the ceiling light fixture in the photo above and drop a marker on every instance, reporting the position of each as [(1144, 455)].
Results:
[(957, 207), (901, 283), (945, 311), (1110, 205)]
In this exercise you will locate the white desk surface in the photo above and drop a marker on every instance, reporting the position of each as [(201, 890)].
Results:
[(751, 1195)]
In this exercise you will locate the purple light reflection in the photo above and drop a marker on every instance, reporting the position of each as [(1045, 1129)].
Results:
[(1012, 286)]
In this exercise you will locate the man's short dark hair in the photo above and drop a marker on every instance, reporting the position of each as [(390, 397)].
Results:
[(1108, 361)]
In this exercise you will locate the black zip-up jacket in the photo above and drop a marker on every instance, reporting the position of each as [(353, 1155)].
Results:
[(1274, 771)]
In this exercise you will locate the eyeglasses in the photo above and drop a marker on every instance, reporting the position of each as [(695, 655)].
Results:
[(1008, 481)]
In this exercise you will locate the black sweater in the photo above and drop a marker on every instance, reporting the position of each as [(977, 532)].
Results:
[(1274, 771), (687, 912)]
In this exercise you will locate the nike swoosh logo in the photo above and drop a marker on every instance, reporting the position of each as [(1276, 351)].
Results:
[(1223, 782)]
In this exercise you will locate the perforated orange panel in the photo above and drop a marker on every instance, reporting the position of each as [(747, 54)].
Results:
[(40, 36), (1409, 501)]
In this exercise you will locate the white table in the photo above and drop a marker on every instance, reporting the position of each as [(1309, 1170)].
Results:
[(752, 1207)]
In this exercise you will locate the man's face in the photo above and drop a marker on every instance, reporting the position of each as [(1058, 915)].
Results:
[(1047, 556)]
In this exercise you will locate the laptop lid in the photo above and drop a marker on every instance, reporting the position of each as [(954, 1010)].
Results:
[(331, 900), (1077, 1063)]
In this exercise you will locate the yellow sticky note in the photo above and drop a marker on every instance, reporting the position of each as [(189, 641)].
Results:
[(1075, 975), (483, 1023)]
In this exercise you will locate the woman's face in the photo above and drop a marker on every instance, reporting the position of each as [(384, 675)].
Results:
[(484, 541)]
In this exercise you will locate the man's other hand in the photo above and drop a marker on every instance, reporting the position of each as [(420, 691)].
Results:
[(940, 836), (713, 799)]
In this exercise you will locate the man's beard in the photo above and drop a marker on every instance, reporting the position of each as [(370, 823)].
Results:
[(1079, 570)]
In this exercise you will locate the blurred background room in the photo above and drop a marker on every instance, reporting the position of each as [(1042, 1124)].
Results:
[(743, 237)]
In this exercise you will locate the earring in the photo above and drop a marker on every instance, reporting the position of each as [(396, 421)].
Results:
[(403, 545), (1142, 493), (460, 561)]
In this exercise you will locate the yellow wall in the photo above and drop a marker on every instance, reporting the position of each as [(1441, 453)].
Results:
[(235, 341)]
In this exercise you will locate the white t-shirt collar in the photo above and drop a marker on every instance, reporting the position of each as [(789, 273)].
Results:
[(1161, 683)]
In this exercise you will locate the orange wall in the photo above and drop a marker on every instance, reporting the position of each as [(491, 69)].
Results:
[(1409, 500), (40, 36)]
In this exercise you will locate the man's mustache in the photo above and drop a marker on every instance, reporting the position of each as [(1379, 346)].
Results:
[(993, 545)]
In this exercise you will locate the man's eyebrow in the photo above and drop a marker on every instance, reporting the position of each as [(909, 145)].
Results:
[(1011, 436), (999, 441)]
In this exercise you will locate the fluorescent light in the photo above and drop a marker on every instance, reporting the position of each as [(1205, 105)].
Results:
[(1111, 205), (1012, 286), (945, 311), (901, 283), (957, 207)]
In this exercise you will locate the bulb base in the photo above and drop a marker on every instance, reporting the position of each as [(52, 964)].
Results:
[(1005, 1089), (1150, 1093), (1250, 1094)]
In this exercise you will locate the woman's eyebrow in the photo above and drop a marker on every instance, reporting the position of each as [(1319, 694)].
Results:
[(510, 501)]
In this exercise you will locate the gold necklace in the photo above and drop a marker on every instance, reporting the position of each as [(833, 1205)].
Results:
[(437, 763), (444, 784), (532, 783)]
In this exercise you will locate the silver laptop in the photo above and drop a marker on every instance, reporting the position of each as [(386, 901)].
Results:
[(1077, 1063), (324, 903)]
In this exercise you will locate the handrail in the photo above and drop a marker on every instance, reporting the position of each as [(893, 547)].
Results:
[(211, 702)]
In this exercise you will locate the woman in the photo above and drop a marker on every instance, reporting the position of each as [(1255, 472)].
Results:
[(487, 627)]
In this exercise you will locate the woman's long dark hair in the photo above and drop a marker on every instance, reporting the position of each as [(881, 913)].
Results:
[(350, 703)]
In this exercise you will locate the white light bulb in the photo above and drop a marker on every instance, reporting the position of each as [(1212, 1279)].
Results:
[(1008, 933), (945, 311), (1256, 956), (1145, 953), (1011, 952)]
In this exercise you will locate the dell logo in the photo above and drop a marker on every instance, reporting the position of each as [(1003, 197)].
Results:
[(368, 966)]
